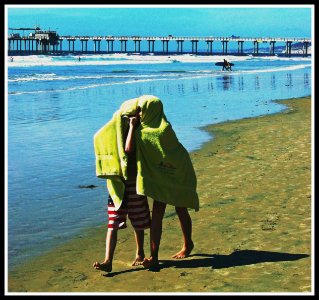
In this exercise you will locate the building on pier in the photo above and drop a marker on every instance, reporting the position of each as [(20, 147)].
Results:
[(39, 41)]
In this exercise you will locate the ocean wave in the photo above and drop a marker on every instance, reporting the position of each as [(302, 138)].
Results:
[(146, 78), (279, 69), (127, 59), (45, 77), (100, 85), (122, 71), (138, 77), (51, 77)]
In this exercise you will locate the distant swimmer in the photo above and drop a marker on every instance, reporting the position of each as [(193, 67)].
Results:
[(79, 58), (11, 59)]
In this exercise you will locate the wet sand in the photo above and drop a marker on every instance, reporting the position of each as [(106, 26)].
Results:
[(251, 234)]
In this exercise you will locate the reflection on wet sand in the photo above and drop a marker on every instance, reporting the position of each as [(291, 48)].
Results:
[(306, 80), (289, 80), (257, 83), (224, 82), (240, 83), (273, 81)]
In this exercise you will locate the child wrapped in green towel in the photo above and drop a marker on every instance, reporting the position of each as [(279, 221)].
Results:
[(129, 203), (165, 173)]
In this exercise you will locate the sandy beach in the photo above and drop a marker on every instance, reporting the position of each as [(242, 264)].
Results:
[(251, 234)]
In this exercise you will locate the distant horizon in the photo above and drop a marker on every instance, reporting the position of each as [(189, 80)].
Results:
[(201, 21)]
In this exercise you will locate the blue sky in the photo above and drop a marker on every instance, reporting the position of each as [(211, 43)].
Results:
[(241, 20)]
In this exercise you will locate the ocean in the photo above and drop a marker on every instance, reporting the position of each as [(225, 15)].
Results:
[(55, 104)]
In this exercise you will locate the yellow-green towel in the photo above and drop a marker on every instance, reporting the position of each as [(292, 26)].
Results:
[(110, 157), (165, 171)]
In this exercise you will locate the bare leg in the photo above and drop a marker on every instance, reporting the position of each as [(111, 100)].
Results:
[(110, 244), (140, 255), (186, 225), (155, 233)]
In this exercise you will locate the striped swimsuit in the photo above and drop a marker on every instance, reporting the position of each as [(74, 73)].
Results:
[(134, 206)]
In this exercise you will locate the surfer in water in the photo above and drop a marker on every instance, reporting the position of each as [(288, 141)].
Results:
[(226, 66)]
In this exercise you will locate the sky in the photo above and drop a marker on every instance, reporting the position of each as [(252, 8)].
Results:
[(209, 20)]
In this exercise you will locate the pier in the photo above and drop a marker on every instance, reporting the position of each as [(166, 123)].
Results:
[(50, 43)]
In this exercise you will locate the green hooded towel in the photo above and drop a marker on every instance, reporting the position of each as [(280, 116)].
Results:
[(164, 168), (110, 157)]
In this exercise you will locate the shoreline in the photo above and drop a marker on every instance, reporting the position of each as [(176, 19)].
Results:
[(134, 58), (230, 173)]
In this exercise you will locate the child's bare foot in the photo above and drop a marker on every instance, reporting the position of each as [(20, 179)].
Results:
[(185, 252), (105, 266), (138, 260), (150, 263)]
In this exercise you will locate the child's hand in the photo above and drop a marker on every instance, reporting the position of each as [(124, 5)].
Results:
[(133, 121)]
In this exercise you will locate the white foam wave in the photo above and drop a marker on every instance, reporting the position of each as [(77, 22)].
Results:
[(104, 84), (289, 68), (45, 77), (283, 58), (127, 59)]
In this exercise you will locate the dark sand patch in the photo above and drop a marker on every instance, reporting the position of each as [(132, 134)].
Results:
[(251, 234)]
